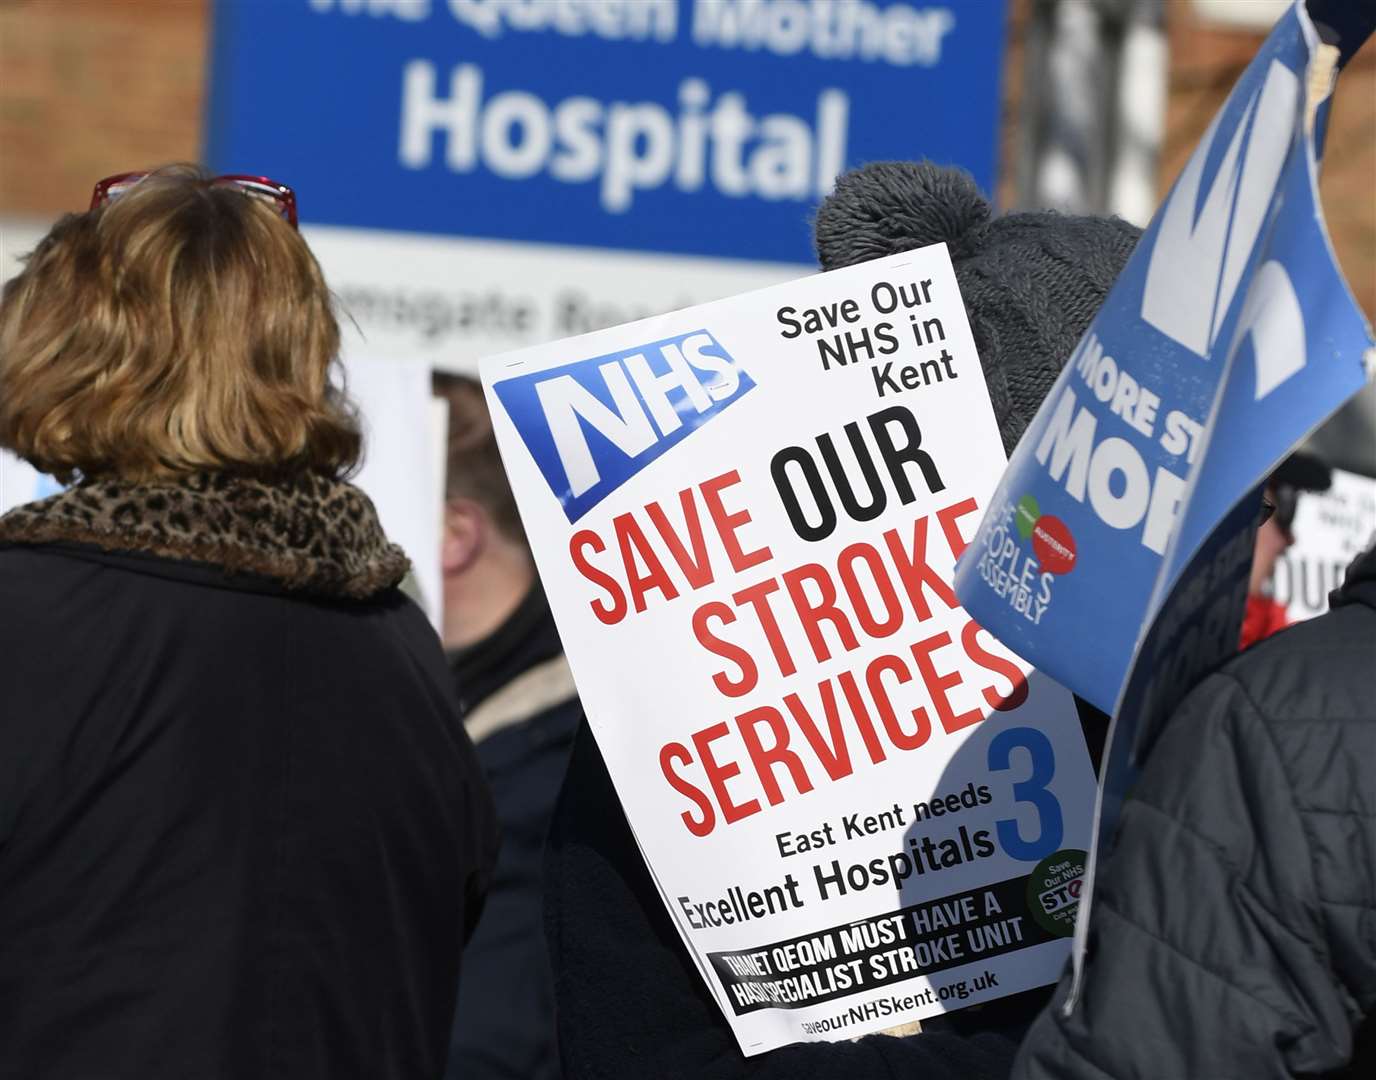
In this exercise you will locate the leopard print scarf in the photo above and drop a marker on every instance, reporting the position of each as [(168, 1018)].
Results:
[(311, 534)]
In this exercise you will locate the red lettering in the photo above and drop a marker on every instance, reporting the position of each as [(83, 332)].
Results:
[(718, 774), (579, 543), (633, 542), (811, 614), (764, 760), (756, 597), (900, 738), (947, 518), (767, 732), (938, 684), (834, 754), (750, 674), (864, 614), (862, 716), (697, 826), (999, 665), (728, 523), (914, 572), (698, 569)]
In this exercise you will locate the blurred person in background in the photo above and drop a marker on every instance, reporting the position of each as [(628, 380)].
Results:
[(1231, 934), (1232, 929), (1298, 473), (521, 710), (243, 834)]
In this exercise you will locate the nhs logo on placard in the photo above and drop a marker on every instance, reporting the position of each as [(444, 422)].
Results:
[(593, 424)]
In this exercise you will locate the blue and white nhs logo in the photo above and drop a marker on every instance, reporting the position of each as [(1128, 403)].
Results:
[(593, 424)]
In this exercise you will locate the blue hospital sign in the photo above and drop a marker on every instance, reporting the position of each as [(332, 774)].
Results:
[(704, 127)]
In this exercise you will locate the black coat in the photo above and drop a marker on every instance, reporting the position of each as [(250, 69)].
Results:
[(242, 833), (632, 1006), (648, 1013), (522, 710), (1234, 926)]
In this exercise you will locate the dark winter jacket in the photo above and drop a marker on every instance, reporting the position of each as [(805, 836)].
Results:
[(521, 710), (632, 1005), (649, 1014), (242, 833), (1234, 928)]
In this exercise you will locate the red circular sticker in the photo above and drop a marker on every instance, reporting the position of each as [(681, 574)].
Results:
[(1053, 545)]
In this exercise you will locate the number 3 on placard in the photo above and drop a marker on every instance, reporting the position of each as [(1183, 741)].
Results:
[(1032, 790)]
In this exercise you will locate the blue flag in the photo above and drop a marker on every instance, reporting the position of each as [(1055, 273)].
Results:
[(1228, 337), (1115, 554)]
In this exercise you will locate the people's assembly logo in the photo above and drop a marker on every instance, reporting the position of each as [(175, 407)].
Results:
[(1052, 543), (593, 424)]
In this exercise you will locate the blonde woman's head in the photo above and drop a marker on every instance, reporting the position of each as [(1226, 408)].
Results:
[(181, 328)]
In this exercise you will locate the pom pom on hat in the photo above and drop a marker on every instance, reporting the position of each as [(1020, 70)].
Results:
[(1031, 282), (892, 206)]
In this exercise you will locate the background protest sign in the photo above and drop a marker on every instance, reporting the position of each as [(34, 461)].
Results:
[(859, 809), (478, 175), (403, 464), (1228, 338), (21, 483), (1331, 529)]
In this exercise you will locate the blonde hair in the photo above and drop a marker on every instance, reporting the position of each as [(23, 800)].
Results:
[(180, 328)]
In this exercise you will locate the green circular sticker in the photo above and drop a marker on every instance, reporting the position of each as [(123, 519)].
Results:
[(1026, 516), (1053, 890)]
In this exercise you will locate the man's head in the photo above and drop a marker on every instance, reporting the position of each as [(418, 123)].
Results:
[(1273, 537), (1298, 473), (486, 562)]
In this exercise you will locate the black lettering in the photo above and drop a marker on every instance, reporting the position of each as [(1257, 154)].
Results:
[(855, 343), (878, 498), (884, 332), (835, 878), (895, 457), (778, 469), (908, 294), (793, 328), (884, 298), (883, 381), (832, 350)]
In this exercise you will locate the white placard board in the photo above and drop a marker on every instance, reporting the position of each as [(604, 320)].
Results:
[(1331, 529), (859, 808), (20, 482), (401, 471)]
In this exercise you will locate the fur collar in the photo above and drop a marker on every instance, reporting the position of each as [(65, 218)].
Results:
[(309, 533)]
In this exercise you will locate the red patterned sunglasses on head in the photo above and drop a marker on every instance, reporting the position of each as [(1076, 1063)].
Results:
[(282, 198)]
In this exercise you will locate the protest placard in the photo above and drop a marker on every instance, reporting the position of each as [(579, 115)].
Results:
[(858, 807), (1331, 529)]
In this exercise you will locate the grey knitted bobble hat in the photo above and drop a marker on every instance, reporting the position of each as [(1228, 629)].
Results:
[(1031, 282)]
